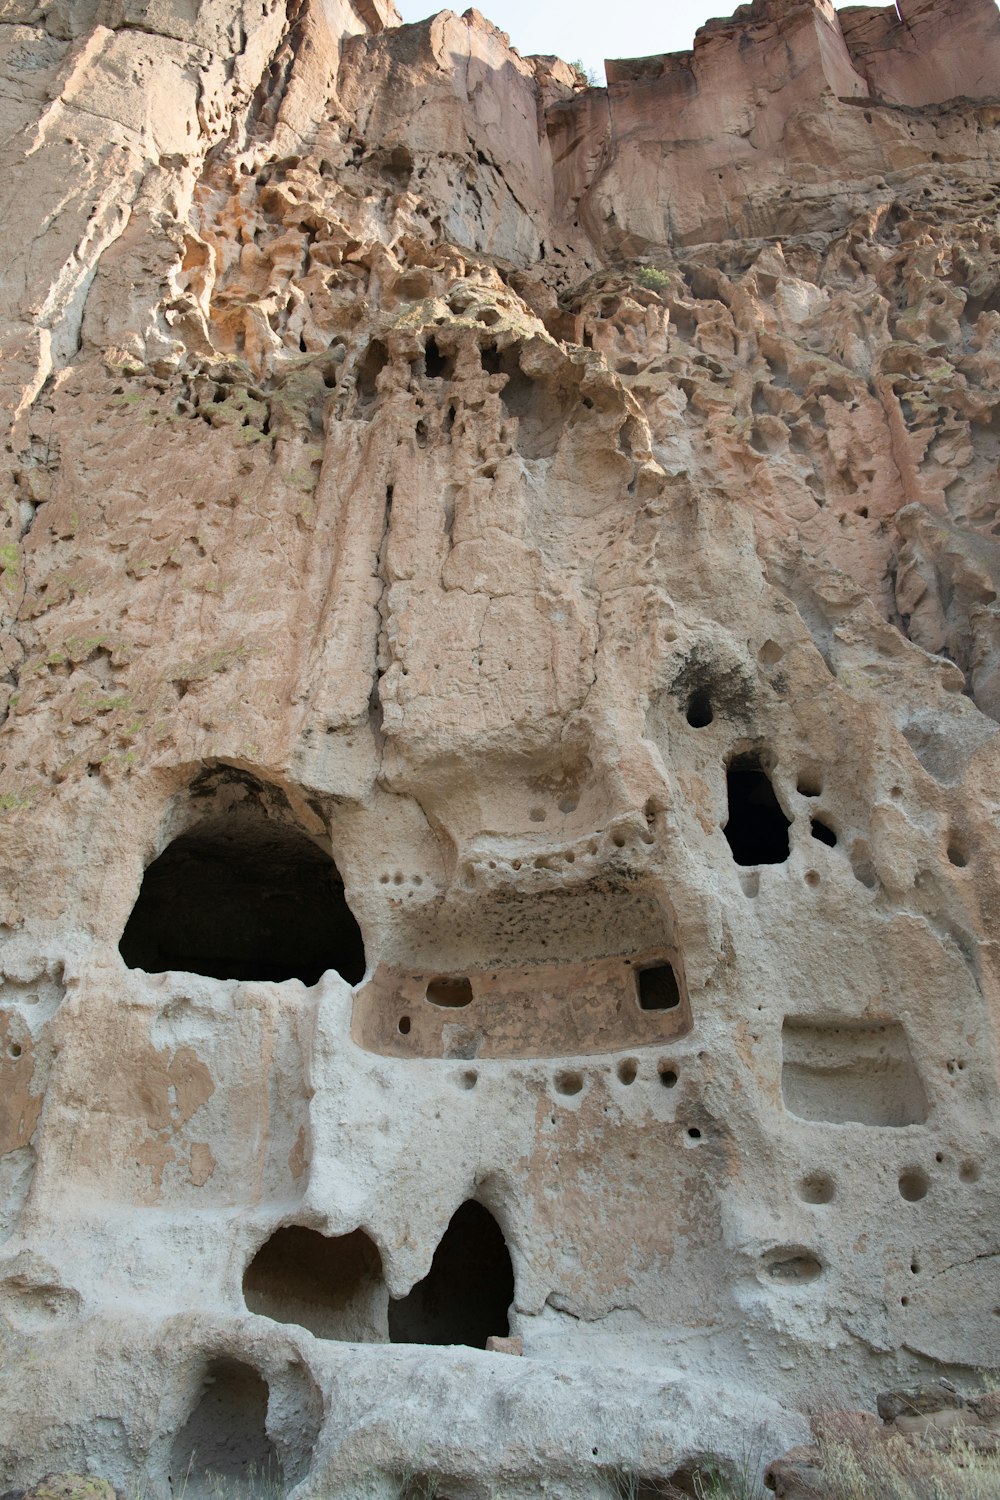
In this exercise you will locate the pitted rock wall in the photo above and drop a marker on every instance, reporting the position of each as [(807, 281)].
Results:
[(541, 536)]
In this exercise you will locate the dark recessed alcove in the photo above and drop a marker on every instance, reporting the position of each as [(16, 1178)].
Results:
[(757, 829), (699, 709), (331, 1285), (450, 993), (223, 1447), (438, 366), (657, 988), (466, 1295), (244, 896)]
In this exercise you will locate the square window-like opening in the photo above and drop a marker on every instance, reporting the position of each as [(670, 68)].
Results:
[(657, 988)]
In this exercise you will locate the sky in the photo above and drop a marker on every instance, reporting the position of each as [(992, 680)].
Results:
[(588, 31)]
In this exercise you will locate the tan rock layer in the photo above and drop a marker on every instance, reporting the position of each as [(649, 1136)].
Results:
[(531, 534)]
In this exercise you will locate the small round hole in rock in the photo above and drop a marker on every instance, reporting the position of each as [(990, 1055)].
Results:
[(468, 1079), (809, 784), (699, 710), (450, 994), (823, 832), (628, 1069), (813, 878), (969, 1171), (694, 1134), (957, 856), (913, 1184), (668, 1075), (816, 1188), (404, 1025), (14, 1050), (569, 1082)]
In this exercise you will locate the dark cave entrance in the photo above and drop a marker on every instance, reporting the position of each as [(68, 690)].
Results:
[(757, 829), (466, 1295), (223, 1447), (657, 987), (244, 896), (331, 1285)]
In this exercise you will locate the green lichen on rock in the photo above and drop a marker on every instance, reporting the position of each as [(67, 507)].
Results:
[(16, 801), (10, 563), (71, 1487)]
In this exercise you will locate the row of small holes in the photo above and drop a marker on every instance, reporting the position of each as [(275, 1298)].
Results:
[(914, 1184), (569, 1082), (628, 1071)]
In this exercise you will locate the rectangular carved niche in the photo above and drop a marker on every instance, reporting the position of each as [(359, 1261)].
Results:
[(850, 1072), (542, 1010)]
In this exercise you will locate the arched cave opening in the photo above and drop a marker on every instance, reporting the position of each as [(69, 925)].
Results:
[(331, 1285), (757, 829), (244, 896), (223, 1447), (466, 1295)]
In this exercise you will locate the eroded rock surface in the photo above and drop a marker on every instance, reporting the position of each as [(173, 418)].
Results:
[(499, 769)]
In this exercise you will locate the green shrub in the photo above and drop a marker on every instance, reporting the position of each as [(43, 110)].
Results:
[(652, 279)]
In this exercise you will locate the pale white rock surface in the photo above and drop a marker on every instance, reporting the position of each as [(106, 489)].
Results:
[(499, 769)]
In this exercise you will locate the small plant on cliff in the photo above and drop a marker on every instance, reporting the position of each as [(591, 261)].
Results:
[(592, 79), (652, 279)]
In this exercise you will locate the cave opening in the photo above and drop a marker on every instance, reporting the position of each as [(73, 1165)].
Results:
[(370, 367), (331, 1285), (223, 1447), (466, 1295), (823, 832), (244, 896), (699, 712), (437, 365), (657, 988), (757, 829)]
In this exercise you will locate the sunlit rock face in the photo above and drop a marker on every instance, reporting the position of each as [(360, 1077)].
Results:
[(499, 780)]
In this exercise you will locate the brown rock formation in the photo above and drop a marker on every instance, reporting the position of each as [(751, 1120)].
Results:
[(498, 789)]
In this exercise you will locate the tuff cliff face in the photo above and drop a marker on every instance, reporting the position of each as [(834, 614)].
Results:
[(499, 776)]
